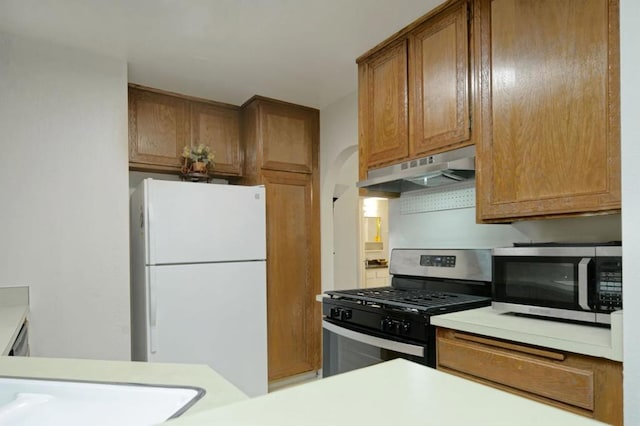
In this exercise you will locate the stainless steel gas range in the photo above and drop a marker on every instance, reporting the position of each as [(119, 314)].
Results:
[(362, 327)]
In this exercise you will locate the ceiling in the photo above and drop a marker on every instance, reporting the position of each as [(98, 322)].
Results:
[(301, 51)]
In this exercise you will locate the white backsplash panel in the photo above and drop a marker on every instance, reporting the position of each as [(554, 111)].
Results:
[(457, 228), (422, 202)]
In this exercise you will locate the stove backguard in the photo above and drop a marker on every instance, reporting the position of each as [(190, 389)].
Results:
[(475, 288), (447, 264)]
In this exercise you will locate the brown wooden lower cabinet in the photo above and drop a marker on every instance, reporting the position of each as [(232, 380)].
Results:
[(582, 384), (293, 273)]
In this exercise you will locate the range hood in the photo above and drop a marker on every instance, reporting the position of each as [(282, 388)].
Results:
[(428, 172)]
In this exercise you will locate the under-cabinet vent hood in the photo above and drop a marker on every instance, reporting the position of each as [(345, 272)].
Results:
[(434, 171)]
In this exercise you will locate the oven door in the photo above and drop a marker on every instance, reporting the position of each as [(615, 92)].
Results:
[(347, 348)]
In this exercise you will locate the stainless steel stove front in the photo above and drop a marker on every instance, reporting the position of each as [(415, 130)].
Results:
[(362, 327)]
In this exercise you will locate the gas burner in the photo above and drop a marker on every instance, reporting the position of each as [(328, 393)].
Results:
[(410, 299)]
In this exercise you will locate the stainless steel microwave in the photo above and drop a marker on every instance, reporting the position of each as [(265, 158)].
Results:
[(577, 283)]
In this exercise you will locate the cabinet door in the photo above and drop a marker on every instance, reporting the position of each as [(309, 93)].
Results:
[(382, 108), (293, 274), (550, 108), (158, 131), (219, 128), (289, 135), (581, 384), (439, 65)]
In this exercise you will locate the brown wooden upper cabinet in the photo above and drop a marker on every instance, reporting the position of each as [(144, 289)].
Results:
[(413, 90), (158, 130), (162, 124), (549, 97), (439, 101), (383, 111), (219, 128), (284, 135)]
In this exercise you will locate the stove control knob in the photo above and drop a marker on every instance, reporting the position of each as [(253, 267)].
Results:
[(386, 325), (335, 312), (346, 314), (404, 327)]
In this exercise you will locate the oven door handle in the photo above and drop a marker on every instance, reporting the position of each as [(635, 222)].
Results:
[(583, 283), (392, 345)]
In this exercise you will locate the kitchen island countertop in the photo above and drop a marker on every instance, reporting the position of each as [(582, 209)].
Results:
[(218, 390), (394, 392)]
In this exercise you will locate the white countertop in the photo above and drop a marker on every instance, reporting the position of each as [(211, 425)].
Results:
[(218, 390), (582, 339), (11, 319), (394, 392)]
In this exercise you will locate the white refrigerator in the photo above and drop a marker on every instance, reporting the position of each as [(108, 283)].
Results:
[(198, 278)]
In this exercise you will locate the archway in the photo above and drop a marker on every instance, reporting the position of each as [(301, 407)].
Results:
[(339, 212)]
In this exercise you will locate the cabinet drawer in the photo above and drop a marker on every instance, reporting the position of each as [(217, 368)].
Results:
[(534, 374)]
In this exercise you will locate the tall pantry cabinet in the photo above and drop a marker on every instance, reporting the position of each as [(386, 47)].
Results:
[(281, 152)]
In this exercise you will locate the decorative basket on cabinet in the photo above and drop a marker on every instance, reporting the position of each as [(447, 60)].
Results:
[(198, 160)]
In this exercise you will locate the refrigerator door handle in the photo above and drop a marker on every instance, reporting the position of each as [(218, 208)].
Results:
[(153, 320)]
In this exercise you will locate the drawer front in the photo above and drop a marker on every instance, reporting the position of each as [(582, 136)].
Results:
[(548, 379)]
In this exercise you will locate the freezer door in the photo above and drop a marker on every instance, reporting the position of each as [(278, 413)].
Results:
[(213, 314), (197, 222)]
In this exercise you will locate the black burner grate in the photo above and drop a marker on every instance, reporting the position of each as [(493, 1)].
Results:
[(419, 299)]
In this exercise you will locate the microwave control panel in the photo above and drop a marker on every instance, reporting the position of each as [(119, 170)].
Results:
[(609, 285)]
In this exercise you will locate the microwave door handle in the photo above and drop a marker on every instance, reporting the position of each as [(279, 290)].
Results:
[(583, 281)]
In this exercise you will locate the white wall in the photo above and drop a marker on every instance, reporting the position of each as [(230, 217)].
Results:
[(345, 228), (338, 144), (458, 229), (63, 183), (136, 178), (630, 109)]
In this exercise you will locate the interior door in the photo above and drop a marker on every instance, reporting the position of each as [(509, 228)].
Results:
[(212, 314)]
